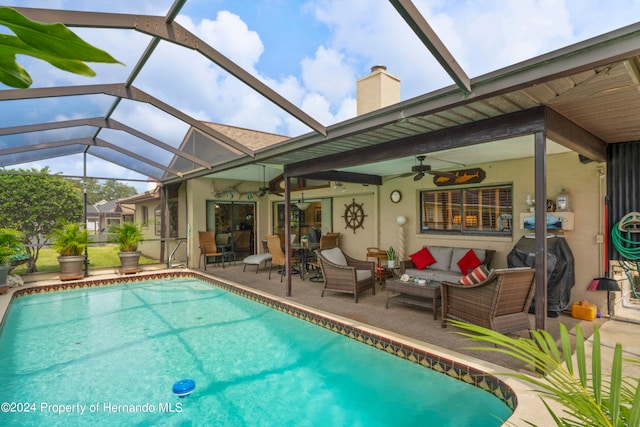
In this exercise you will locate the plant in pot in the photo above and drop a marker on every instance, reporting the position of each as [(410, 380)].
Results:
[(391, 257), (127, 236), (70, 240), (10, 246)]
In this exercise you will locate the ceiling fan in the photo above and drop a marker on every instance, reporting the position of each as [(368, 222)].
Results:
[(422, 169), (264, 190)]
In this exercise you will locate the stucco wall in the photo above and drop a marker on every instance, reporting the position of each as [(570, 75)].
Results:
[(563, 171), (381, 229)]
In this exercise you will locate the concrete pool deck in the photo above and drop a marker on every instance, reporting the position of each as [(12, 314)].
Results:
[(403, 322)]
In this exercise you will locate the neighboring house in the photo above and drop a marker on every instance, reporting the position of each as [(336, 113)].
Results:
[(147, 211), (105, 214), (93, 219)]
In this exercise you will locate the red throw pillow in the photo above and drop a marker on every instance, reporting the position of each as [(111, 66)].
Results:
[(468, 262), (479, 274), (422, 259)]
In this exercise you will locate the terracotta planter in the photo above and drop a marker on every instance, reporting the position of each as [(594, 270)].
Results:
[(71, 267), (129, 262)]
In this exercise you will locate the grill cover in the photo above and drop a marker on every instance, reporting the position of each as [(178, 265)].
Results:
[(560, 270)]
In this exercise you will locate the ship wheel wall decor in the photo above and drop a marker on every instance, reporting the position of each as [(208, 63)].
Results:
[(354, 216)]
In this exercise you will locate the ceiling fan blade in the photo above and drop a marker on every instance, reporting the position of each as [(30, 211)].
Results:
[(418, 176), (402, 175)]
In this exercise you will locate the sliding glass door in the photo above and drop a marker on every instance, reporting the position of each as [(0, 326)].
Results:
[(234, 225)]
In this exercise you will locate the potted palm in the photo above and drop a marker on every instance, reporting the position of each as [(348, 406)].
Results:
[(70, 241), (127, 236), (10, 245), (391, 257)]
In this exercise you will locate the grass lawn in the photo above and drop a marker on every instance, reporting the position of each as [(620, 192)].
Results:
[(99, 256)]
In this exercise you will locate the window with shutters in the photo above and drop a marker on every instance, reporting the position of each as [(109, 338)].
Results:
[(481, 210)]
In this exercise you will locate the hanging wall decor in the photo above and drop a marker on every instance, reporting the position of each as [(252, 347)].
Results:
[(354, 216), (463, 176)]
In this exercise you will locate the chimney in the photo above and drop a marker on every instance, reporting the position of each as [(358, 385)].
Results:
[(377, 90)]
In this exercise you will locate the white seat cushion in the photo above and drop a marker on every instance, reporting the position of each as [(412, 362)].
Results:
[(363, 274), (256, 259), (335, 256)]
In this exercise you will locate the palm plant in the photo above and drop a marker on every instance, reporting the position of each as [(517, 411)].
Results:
[(70, 239), (588, 399), (127, 236), (53, 43)]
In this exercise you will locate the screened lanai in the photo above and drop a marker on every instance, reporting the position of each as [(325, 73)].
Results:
[(182, 68), (188, 64)]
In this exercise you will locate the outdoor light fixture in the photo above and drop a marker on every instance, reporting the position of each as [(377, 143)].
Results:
[(302, 205), (563, 201)]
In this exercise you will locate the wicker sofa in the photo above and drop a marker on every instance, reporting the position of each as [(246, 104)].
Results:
[(446, 266)]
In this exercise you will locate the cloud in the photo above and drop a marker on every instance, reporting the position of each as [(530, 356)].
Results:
[(328, 74), (483, 35), (229, 35)]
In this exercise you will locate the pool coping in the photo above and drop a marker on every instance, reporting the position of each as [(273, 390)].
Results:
[(458, 366)]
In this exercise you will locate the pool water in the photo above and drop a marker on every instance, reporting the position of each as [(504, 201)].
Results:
[(110, 356)]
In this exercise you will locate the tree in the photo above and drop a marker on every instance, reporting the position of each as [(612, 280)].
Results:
[(34, 202), (110, 190), (53, 43)]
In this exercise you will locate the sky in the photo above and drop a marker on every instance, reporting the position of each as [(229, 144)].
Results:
[(312, 52)]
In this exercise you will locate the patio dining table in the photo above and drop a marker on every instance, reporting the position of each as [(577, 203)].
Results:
[(305, 251)]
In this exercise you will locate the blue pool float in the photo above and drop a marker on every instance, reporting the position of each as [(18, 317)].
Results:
[(184, 388)]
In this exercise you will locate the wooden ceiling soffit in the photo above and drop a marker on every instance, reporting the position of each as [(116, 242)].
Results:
[(157, 26), (351, 177), (122, 91), (501, 127), (566, 133)]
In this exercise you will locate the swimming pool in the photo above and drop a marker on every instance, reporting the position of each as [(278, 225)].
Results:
[(111, 354)]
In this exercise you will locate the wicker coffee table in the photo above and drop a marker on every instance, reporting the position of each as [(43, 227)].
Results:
[(409, 293)]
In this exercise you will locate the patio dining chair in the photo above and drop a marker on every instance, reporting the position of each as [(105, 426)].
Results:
[(278, 257), (209, 248)]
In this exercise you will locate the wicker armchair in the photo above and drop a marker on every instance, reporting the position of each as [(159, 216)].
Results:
[(328, 241), (345, 274), (501, 302)]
